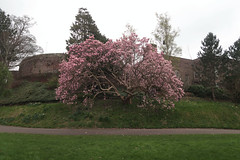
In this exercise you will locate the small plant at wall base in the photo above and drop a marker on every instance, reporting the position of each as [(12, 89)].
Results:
[(52, 83), (127, 68), (5, 80)]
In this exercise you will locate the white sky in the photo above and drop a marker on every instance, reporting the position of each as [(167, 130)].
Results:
[(194, 18)]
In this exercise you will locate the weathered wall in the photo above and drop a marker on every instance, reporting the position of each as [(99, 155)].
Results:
[(184, 70), (40, 65), (15, 74)]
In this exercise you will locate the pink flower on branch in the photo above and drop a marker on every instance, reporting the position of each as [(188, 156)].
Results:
[(125, 68)]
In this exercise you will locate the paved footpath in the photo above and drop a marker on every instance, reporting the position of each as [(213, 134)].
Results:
[(115, 131)]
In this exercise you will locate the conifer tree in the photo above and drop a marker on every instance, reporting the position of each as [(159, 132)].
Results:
[(83, 27), (209, 60), (232, 74)]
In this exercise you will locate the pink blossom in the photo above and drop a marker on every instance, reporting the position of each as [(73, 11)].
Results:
[(129, 65)]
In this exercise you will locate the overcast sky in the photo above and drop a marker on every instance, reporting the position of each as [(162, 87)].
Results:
[(194, 18)]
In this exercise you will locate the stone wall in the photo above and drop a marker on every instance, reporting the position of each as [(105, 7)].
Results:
[(184, 70), (40, 65)]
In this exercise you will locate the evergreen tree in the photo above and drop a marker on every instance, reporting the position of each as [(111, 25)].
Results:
[(82, 28), (5, 21), (209, 62), (5, 25), (232, 74)]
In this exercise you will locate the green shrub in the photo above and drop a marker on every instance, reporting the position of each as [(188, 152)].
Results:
[(198, 90), (105, 119), (220, 93), (29, 92), (33, 118), (5, 80), (52, 83), (236, 97), (201, 91)]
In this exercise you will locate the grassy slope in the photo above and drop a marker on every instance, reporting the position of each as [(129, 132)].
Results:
[(187, 147), (112, 114), (28, 92)]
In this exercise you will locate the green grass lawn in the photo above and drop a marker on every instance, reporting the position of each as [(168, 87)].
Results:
[(193, 113), (164, 147)]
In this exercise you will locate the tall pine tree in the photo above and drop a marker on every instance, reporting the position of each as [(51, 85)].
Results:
[(82, 28), (209, 61), (232, 75)]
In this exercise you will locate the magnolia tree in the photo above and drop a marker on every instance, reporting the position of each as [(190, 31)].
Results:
[(127, 68)]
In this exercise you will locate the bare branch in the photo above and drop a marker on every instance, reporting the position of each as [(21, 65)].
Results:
[(16, 42)]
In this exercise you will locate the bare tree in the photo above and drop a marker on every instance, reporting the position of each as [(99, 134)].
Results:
[(165, 36), (16, 42), (129, 30)]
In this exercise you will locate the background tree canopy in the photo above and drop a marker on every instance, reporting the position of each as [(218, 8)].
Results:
[(82, 28), (232, 69), (16, 42), (210, 61), (165, 36)]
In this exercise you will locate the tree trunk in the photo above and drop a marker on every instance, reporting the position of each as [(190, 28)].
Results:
[(128, 100), (213, 94)]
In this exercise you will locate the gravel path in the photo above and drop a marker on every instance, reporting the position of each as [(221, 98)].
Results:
[(115, 131)]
